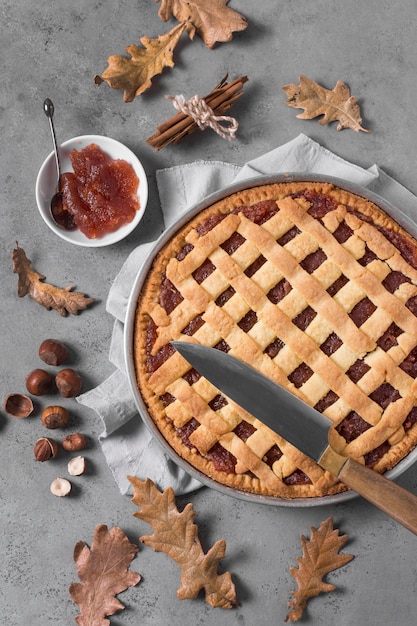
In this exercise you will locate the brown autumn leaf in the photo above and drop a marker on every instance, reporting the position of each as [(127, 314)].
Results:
[(104, 572), (213, 21), (134, 75), (64, 301), (334, 105), (320, 556), (176, 535)]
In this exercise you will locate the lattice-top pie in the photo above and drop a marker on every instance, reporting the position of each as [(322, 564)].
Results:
[(314, 286)]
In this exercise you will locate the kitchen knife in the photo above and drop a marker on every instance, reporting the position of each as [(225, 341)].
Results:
[(299, 424)]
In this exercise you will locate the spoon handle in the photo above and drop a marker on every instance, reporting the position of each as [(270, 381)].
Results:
[(48, 108)]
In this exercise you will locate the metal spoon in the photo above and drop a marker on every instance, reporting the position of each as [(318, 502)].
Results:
[(62, 217)]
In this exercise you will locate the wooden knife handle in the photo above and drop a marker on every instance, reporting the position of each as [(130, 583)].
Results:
[(397, 502)]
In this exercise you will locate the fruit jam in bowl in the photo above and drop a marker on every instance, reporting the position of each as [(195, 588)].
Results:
[(104, 191)]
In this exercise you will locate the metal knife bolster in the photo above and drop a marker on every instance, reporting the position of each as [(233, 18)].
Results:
[(331, 461)]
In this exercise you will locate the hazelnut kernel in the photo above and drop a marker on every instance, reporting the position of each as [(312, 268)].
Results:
[(76, 466), (68, 382), (45, 449), (38, 382), (53, 352), (74, 442), (55, 417), (60, 487)]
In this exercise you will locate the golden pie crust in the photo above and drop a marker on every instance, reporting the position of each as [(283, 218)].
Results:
[(312, 285)]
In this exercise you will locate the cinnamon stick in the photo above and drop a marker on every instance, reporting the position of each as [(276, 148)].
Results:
[(179, 116), (220, 99)]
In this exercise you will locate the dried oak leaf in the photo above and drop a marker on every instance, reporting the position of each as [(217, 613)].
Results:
[(30, 282), (176, 534), (213, 20), (336, 104), (134, 75), (104, 572), (320, 556)]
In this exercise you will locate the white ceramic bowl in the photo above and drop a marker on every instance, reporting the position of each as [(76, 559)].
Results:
[(47, 180)]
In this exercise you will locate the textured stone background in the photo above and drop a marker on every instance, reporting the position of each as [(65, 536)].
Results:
[(54, 49)]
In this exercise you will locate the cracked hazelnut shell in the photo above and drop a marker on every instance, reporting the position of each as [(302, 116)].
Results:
[(18, 405), (45, 449)]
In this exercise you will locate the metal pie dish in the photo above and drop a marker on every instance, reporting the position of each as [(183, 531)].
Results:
[(129, 331)]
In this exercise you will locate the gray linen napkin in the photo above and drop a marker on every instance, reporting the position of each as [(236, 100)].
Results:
[(127, 444)]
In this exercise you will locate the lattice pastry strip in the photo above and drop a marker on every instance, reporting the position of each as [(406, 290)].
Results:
[(259, 443), (327, 273), (370, 381), (238, 448), (220, 257), (169, 326), (344, 357), (215, 284), (319, 329), (337, 411), (405, 291), (293, 303), (301, 246), (308, 286), (306, 349), (212, 424), (267, 276), (173, 368), (244, 255), (376, 325), (207, 336), (380, 269), (383, 248), (236, 307), (351, 268), (392, 419), (262, 334), (381, 362), (349, 295), (279, 225)]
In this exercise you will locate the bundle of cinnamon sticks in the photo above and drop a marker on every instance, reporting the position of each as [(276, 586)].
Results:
[(220, 99)]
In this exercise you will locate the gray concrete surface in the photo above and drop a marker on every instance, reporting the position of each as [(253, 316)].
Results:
[(54, 49)]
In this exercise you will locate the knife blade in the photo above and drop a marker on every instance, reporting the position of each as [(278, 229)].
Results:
[(299, 424)]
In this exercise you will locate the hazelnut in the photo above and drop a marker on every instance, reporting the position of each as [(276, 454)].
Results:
[(60, 487), (55, 417), (18, 405), (38, 382), (68, 382), (77, 466), (45, 449), (74, 442), (53, 352)]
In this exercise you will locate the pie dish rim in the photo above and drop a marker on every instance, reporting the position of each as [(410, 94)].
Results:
[(129, 330)]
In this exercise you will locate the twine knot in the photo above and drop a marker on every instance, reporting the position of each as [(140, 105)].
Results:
[(203, 115)]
